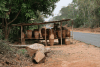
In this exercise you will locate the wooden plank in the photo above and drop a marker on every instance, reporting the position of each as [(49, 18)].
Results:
[(28, 24), (61, 32)]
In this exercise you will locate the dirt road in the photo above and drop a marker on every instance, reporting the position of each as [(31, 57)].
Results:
[(75, 55)]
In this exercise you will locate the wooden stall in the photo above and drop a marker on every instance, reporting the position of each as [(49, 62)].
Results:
[(29, 24)]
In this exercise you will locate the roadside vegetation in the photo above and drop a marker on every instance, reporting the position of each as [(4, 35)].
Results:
[(85, 13), (22, 11), (11, 56), (14, 12)]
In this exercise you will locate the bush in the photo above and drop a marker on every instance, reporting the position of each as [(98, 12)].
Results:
[(5, 48), (1, 36), (78, 22)]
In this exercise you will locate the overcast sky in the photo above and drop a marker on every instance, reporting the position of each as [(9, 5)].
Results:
[(59, 5)]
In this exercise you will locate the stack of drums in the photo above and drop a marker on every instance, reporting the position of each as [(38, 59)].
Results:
[(65, 33), (51, 37), (43, 33), (59, 33), (54, 31), (56, 26), (55, 36), (29, 34), (67, 41), (68, 33), (36, 33)]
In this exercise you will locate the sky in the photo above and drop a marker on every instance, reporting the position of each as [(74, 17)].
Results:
[(59, 5)]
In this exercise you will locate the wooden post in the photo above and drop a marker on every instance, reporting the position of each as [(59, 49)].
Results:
[(39, 33), (22, 36), (45, 38), (61, 32), (72, 31), (21, 33)]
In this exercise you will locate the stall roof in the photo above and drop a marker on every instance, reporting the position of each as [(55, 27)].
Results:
[(28, 24)]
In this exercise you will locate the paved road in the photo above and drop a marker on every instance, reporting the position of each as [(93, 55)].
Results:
[(93, 39)]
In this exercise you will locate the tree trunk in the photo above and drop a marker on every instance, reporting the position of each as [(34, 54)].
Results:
[(3, 28), (5, 24), (6, 32)]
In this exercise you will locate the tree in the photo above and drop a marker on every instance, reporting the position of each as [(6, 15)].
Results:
[(84, 12), (26, 9)]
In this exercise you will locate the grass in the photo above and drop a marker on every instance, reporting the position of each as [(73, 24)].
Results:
[(6, 48), (21, 51)]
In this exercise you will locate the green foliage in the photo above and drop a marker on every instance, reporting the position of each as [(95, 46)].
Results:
[(5, 48), (28, 7), (1, 36), (3, 8), (21, 51), (21, 11), (97, 12), (15, 34), (86, 13), (77, 22)]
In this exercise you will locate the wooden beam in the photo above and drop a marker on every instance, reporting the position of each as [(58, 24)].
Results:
[(28, 24), (61, 32)]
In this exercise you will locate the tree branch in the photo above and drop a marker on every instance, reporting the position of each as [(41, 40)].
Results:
[(15, 17)]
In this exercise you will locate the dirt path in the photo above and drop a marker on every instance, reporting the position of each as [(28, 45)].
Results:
[(75, 55)]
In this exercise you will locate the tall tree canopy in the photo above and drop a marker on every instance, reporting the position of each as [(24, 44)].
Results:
[(86, 13), (18, 11)]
